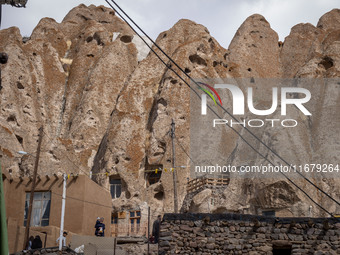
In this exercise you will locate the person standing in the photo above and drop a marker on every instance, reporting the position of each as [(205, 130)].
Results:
[(63, 239), (100, 227), (155, 228), (95, 226)]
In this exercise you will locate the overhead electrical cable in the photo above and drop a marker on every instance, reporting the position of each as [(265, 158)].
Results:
[(170, 67), (198, 84)]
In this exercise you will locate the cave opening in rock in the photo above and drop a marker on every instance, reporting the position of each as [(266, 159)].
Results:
[(20, 139), (159, 195), (153, 176), (198, 60), (11, 118), (127, 194), (126, 38), (19, 85), (153, 173), (327, 62)]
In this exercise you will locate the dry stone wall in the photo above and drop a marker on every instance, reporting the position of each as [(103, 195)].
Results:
[(204, 234), (47, 251)]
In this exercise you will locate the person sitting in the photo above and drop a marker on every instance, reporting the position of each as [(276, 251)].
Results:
[(30, 242), (37, 243)]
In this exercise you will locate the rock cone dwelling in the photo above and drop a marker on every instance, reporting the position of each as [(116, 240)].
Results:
[(107, 108)]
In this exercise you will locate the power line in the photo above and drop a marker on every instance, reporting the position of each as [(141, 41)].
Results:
[(214, 187), (180, 145), (200, 87), (135, 159), (81, 200), (153, 143), (132, 159), (225, 110), (78, 199), (169, 66), (77, 167)]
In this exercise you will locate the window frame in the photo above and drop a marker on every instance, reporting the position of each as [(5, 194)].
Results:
[(43, 221), (114, 218), (113, 188), (133, 220)]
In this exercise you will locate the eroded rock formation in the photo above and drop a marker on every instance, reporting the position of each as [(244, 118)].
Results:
[(105, 109)]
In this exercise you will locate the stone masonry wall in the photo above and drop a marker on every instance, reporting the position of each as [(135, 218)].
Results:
[(247, 234), (47, 251)]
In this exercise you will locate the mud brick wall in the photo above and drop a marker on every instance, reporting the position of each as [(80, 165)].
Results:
[(247, 234)]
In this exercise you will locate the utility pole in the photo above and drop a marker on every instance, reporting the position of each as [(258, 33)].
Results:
[(173, 166), (28, 223), (62, 213), (148, 230), (114, 245)]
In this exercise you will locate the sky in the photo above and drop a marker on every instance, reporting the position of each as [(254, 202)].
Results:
[(221, 17)]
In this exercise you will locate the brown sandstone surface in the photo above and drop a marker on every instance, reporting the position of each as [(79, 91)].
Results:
[(105, 111)]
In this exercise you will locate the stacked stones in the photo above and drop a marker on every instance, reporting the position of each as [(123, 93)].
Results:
[(47, 251), (246, 234)]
